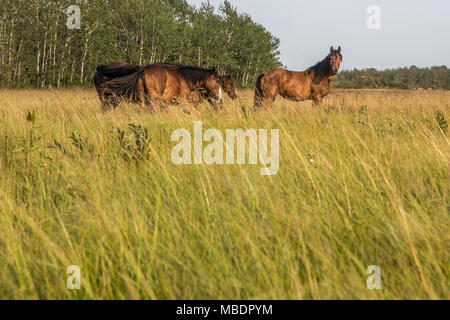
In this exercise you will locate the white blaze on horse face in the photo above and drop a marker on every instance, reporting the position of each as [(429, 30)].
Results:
[(220, 94)]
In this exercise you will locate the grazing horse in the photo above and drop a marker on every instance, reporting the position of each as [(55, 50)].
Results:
[(174, 83), (157, 83), (312, 84), (227, 84), (198, 94)]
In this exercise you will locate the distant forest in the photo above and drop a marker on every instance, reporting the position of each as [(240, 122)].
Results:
[(38, 49), (436, 78)]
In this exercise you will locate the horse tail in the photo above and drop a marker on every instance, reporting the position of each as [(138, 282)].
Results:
[(258, 92), (116, 70), (98, 78), (126, 87), (98, 81)]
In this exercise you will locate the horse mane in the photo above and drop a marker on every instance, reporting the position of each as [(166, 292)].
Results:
[(191, 73), (195, 74), (323, 67), (170, 64)]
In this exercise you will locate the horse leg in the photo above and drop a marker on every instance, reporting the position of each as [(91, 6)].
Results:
[(317, 99), (105, 106), (195, 97), (271, 96), (111, 104), (183, 101), (146, 103), (104, 101), (108, 102), (260, 99), (144, 96), (269, 100)]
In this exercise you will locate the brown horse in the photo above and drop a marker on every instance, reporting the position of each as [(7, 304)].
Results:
[(198, 94), (158, 83), (113, 70), (227, 84), (312, 84)]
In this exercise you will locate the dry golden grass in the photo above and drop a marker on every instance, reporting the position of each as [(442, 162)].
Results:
[(363, 181)]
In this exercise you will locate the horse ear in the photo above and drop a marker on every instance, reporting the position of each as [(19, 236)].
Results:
[(339, 49), (214, 70), (331, 49)]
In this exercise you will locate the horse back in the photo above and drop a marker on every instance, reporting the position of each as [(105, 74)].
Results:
[(271, 80), (116, 70), (277, 79), (162, 82)]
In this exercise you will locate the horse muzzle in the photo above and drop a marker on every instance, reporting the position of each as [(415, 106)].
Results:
[(219, 97)]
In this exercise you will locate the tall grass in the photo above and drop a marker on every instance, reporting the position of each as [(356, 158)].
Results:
[(363, 181)]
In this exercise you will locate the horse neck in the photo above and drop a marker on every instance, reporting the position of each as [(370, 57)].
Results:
[(192, 85), (322, 72), (325, 69)]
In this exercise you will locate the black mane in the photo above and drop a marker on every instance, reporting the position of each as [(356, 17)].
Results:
[(195, 74), (191, 73), (323, 68)]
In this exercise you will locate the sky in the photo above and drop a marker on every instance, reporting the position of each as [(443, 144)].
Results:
[(412, 32)]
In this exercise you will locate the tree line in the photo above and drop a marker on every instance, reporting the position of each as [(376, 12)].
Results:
[(38, 47), (436, 78)]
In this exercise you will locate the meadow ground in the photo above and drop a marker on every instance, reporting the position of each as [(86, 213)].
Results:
[(363, 180)]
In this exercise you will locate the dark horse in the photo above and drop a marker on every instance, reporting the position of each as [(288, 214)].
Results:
[(225, 81), (198, 94), (108, 72), (161, 82), (312, 84), (227, 84)]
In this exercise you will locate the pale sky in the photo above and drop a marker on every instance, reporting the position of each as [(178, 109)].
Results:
[(413, 32)]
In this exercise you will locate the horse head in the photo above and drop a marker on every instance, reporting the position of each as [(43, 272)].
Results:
[(335, 59), (212, 85), (227, 84)]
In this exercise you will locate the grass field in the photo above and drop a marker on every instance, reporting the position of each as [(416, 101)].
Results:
[(363, 180)]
